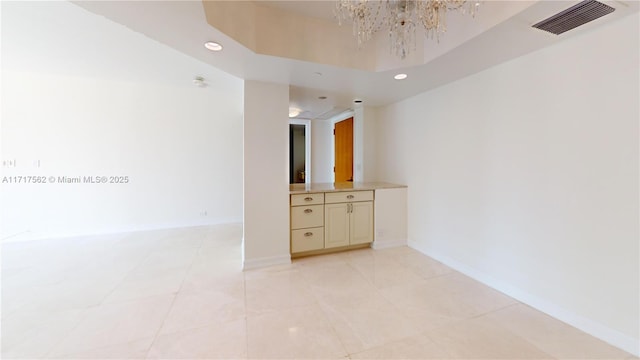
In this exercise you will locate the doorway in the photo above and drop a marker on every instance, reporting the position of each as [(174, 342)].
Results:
[(296, 154), (343, 150), (299, 151)]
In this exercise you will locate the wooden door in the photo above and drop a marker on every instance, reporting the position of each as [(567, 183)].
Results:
[(343, 133), (336, 225)]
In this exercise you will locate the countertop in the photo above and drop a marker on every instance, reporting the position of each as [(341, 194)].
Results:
[(347, 186)]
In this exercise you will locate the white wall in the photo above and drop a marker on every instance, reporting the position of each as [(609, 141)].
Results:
[(358, 143), (266, 163), (369, 161), (321, 144), (364, 149), (118, 105), (525, 176), (390, 218)]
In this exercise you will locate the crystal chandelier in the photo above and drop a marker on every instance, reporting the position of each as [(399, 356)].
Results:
[(401, 18)]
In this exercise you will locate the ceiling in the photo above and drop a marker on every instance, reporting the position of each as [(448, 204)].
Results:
[(500, 31), (310, 8)]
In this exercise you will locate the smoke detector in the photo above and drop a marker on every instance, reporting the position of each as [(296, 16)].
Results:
[(199, 82)]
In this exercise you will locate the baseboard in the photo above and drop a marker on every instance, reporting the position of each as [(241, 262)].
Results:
[(385, 244), (31, 236), (596, 329), (249, 264)]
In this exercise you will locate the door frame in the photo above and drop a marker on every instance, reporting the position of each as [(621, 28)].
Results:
[(336, 119), (307, 147)]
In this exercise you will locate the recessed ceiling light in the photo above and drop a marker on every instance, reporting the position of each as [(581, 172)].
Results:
[(293, 112), (357, 101), (400, 76), (322, 97), (213, 46)]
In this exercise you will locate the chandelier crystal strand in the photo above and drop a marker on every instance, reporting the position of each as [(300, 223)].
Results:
[(402, 26), (364, 14), (401, 18)]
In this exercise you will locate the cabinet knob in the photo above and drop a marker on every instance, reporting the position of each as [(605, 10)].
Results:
[(350, 196), (308, 211), (308, 198), (307, 234)]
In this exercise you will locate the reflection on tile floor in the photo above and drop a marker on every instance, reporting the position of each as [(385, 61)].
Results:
[(181, 294)]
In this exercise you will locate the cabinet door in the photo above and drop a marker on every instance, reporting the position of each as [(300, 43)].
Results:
[(336, 225), (361, 223)]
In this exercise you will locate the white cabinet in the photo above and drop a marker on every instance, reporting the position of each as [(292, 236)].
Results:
[(307, 239), (336, 231), (348, 196), (307, 222), (307, 199), (349, 223), (321, 222), (307, 216), (361, 223)]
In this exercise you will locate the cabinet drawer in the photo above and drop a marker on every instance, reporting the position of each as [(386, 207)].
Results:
[(307, 239), (307, 199), (307, 216), (348, 196)]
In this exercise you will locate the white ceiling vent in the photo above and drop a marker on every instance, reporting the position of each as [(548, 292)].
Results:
[(574, 16)]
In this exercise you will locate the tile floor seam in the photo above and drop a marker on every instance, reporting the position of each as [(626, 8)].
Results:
[(26, 336), (494, 310), (449, 322), (518, 336), (122, 281), (411, 269), (66, 355), (173, 301), (66, 336), (49, 284), (157, 332), (434, 276), (333, 328), (325, 315), (360, 273), (16, 342), (187, 271), (271, 311), (398, 341), (47, 355), (455, 323), (533, 345)]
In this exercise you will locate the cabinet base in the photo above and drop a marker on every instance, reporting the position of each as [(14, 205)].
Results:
[(329, 251)]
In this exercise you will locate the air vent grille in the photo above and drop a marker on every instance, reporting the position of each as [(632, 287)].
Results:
[(574, 16)]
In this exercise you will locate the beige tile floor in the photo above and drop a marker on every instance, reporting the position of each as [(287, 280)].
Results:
[(181, 294)]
